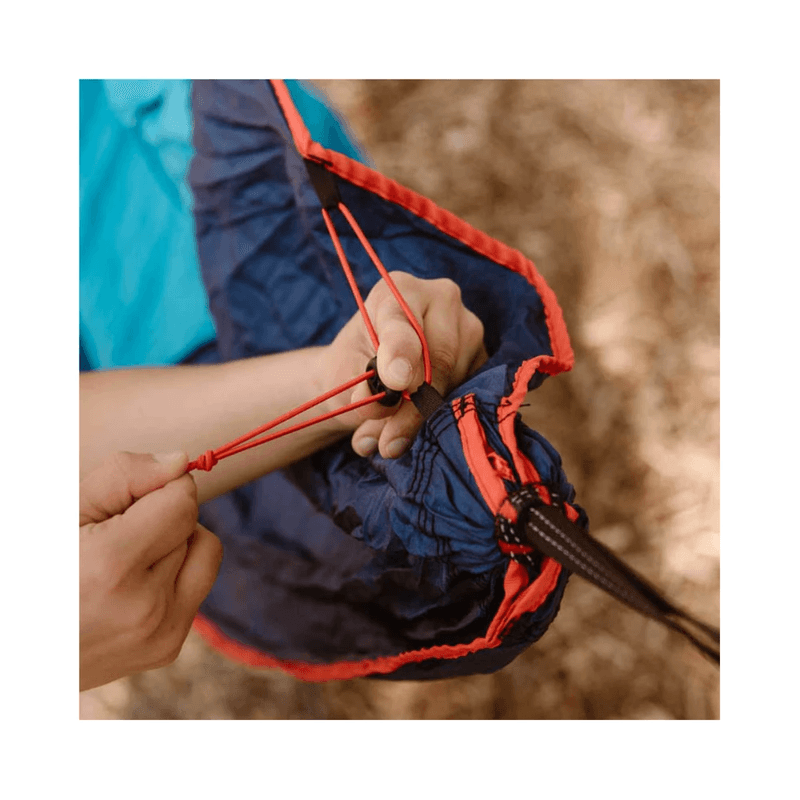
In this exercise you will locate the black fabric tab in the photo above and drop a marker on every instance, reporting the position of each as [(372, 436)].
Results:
[(427, 400), (324, 184), (552, 534)]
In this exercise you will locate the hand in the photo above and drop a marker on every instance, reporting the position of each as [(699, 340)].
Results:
[(455, 342), (146, 565)]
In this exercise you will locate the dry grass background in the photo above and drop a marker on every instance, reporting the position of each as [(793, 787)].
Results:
[(612, 189)]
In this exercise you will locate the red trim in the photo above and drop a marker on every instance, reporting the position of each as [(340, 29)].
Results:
[(514, 549), (483, 463), (519, 597), (506, 413), (447, 222), (297, 127), (481, 459)]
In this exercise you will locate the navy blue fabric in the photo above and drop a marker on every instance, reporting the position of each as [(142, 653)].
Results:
[(342, 558)]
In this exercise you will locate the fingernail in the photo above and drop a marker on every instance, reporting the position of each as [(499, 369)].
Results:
[(366, 446), (399, 371), (169, 458), (396, 447)]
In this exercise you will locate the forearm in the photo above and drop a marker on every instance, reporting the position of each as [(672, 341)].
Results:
[(197, 408)]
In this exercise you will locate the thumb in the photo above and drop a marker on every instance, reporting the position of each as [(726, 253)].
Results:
[(122, 479)]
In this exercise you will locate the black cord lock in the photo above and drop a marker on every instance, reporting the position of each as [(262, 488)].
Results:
[(376, 386)]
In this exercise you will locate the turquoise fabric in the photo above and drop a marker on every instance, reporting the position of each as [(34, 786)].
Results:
[(325, 126), (142, 301)]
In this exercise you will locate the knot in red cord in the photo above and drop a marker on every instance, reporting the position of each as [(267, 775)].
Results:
[(207, 460)]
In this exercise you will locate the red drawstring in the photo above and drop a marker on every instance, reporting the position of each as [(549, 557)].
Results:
[(211, 457), (426, 359), (351, 279)]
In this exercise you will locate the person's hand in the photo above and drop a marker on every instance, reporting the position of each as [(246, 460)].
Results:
[(145, 565), (455, 342)]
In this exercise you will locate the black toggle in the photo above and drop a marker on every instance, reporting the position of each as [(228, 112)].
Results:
[(324, 184), (376, 386), (552, 534)]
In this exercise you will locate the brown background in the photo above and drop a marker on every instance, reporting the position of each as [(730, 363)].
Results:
[(612, 189)]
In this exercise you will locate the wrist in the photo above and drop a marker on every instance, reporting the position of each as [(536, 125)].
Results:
[(327, 373)]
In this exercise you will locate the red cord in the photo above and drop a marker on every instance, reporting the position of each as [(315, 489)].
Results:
[(211, 457), (351, 279), (426, 360)]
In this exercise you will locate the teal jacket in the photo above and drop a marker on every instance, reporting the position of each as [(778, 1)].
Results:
[(142, 301)]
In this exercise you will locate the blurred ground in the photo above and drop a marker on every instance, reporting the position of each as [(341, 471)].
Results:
[(612, 189)]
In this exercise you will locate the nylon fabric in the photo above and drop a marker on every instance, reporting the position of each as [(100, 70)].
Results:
[(342, 561)]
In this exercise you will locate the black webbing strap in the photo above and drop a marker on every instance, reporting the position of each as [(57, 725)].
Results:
[(427, 400), (551, 533)]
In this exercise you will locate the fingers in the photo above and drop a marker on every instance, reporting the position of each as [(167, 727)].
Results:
[(371, 411), (453, 333), (399, 431), (400, 350), (165, 571), (454, 336), (399, 357), (455, 344), (199, 571), (473, 355), (124, 478), (365, 439), (146, 565), (157, 523), (192, 584), (442, 324)]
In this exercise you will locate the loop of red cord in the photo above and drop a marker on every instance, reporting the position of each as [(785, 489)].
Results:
[(211, 457)]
